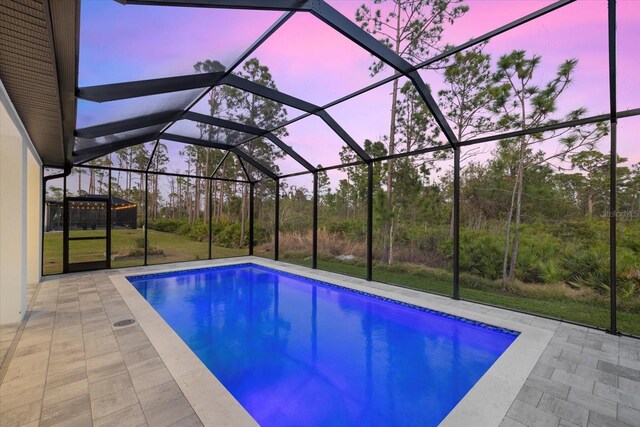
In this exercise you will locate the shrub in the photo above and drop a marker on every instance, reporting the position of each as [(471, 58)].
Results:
[(261, 235), (527, 265), (139, 242), (199, 231), (581, 263), (350, 229), (230, 236), (550, 271), (481, 253), (184, 229), (167, 225)]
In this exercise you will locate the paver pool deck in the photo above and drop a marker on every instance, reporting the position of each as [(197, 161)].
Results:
[(66, 364)]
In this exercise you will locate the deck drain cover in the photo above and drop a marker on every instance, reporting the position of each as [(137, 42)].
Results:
[(124, 322)]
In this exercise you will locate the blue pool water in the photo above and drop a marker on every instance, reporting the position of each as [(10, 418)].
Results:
[(298, 352)]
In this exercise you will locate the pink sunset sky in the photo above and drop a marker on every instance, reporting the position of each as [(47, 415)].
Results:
[(309, 60)]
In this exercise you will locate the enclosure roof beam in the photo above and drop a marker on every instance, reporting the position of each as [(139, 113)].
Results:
[(90, 153), (292, 101), (153, 153), (195, 141), (212, 144), (252, 130), (128, 124), (262, 168), (273, 5), (330, 16), (220, 164), (246, 172), (151, 87), (257, 43), (269, 93), (450, 52), (116, 91), (344, 135), (161, 118), (353, 32), (290, 151), (553, 126), (224, 123)]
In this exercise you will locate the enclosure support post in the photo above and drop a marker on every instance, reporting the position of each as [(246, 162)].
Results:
[(146, 216), (613, 213), (276, 237), (251, 194), (370, 221), (210, 201), (456, 223), (65, 229), (314, 231), (108, 224), (42, 213)]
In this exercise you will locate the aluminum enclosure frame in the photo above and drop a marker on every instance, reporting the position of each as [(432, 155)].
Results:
[(327, 14)]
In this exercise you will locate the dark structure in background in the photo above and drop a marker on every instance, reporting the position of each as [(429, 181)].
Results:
[(124, 214), (85, 216), (68, 147)]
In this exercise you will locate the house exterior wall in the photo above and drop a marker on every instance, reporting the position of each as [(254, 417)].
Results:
[(20, 207)]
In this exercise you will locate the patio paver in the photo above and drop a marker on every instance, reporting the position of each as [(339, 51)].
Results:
[(586, 378), (72, 366)]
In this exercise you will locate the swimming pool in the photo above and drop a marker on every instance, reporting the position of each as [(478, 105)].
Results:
[(296, 351)]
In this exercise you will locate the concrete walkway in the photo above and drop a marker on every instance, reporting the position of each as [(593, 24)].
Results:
[(68, 365)]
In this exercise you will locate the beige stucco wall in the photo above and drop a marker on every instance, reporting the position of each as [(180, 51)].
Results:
[(19, 212)]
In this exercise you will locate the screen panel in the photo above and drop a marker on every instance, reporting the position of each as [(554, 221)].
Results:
[(96, 113), (434, 27), (296, 219), (342, 220), (128, 216), (554, 68), (84, 181), (627, 54), (133, 158), (628, 226), (305, 46), (536, 240), (368, 118), (53, 226), (264, 218), (230, 229), (179, 231), (192, 40), (413, 222), (230, 103), (188, 159)]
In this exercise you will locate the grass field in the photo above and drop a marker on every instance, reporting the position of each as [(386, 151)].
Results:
[(536, 299), (175, 248)]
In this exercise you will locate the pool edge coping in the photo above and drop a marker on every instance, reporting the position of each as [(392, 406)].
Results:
[(486, 403), (211, 401)]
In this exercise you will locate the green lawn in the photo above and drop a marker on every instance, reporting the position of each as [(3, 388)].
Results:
[(175, 248), (590, 311)]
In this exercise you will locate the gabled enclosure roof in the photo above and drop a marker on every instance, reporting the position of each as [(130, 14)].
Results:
[(74, 119)]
